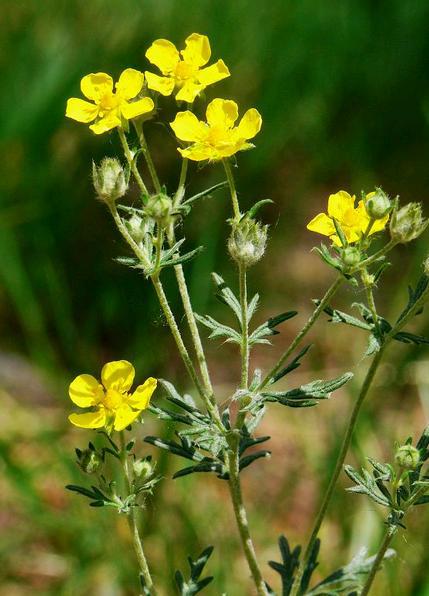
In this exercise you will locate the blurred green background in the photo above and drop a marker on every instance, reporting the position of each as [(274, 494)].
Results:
[(343, 88)]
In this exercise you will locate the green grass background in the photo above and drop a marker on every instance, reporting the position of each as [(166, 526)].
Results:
[(343, 88)]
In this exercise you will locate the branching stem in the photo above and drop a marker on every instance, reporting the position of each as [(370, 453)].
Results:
[(391, 531), (131, 161)]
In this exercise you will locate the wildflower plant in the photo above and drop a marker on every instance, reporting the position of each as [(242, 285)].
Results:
[(217, 434)]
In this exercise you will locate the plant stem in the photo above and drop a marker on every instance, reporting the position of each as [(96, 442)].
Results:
[(245, 352), (313, 318), (148, 157), (176, 333), (349, 433), (233, 190), (180, 192), (391, 531), (131, 161), (241, 518), (133, 521), (370, 260)]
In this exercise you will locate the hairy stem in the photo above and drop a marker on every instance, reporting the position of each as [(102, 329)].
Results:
[(148, 157), (245, 352), (233, 190), (300, 336), (349, 433), (391, 531), (241, 519), (131, 162), (133, 521)]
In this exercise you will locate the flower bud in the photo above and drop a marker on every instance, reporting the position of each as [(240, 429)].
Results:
[(142, 468), (351, 256), (109, 179), (136, 228), (247, 241), (407, 223), (89, 461), (377, 204), (159, 208), (407, 457)]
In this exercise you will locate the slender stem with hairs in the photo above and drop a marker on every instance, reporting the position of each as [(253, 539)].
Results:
[(391, 531), (134, 522), (148, 157), (234, 197), (349, 433), (131, 161)]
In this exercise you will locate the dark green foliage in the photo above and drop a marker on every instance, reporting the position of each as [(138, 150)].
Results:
[(194, 584), (309, 394)]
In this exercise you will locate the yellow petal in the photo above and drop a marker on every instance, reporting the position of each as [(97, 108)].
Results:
[(222, 113), (322, 224), (105, 124), (95, 85), (187, 127), (163, 85), (85, 391), (81, 110), (379, 224), (163, 54), (137, 108), (118, 375), (130, 83), (141, 396), (339, 204), (124, 416), (189, 91), (200, 152), (250, 124), (89, 420), (197, 51), (214, 73)]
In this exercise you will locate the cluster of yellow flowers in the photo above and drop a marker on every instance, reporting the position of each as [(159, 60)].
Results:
[(186, 74), (183, 72)]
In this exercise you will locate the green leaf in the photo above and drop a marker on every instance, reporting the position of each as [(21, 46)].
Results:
[(415, 295), (205, 193), (226, 295), (253, 210), (366, 485), (218, 329), (316, 390), (295, 363), (182, 258), (194, 584), (289, 565)]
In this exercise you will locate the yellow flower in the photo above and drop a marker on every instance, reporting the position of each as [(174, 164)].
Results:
[(353, 220), (112, 406), (111, 106), (183, 70), (218, 138)]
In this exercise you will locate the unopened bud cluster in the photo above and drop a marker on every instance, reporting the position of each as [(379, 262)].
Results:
[(142, 468), (159, 207), (109, 179), (247, 241), (407, 223), (407, 457), (351, 256), (378, 204), (88, 460)]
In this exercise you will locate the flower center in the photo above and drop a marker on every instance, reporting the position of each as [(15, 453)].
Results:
[(218, 135), (113, 399), (184, 71), (108, 101)]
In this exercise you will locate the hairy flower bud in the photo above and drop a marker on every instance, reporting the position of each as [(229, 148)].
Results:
[(351, 256), (136, 228), (159, 208), (407, 223), (407, 457), (142, 468), (88, 460), (247, 241), (377, 204), (109, 179)]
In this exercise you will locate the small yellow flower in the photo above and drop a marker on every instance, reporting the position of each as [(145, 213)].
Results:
[(112, 406), (183, 70), (353, 220), (111, 106), (218, 137)]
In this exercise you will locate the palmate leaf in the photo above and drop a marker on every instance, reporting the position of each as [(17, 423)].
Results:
[(350, 578), (309, 394), (194, 584), (289, 565), (218, 329), (367, 485), (226, 295), (269, 327)]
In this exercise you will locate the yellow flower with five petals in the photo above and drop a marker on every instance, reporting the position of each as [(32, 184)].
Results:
[(353, 220), (112, 406), (218, 137), (110, 107), (184, 70)]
